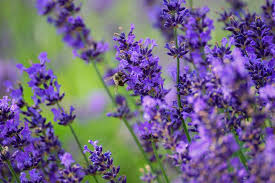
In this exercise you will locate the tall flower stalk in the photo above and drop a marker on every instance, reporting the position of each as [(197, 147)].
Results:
[(159, 161), (125, 121), (77, 36), (185, 128), (191, 4), (174, 14)]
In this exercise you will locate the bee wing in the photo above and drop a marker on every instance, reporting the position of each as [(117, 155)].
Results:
[(108, 78)]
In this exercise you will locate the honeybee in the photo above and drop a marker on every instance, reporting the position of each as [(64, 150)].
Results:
[(119, 79)]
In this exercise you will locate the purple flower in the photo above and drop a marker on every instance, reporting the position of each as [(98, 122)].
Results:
[(8, 76), (147, 175), (173, 13), (237, 5), (139, 65), (102, 163), (37, 144), (176, 52), (263, 164), (269, 12), (123, 110), (268, 92), (197, 28), (101, 6), (93, 106), (253, 36), (34, 176), (155, 14), (62, 14), (67, 159), (221, 52), (71, 173), (62, 117), (43, 82)]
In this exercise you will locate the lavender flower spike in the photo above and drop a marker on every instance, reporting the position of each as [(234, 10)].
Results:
[(102, 164), (62, 14)]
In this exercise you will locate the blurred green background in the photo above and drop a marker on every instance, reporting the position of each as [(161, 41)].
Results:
[(24, 34)]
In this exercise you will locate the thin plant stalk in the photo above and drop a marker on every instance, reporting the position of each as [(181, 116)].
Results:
[(159, 161), (80, 147), (12, 171), (125, 121), (191, 4), (79, 144), (178, 90), (240, 152)]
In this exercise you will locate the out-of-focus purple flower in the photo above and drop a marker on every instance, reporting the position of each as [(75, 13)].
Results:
[(197, 29), (147, 175), (94, 105), (171, 96), (269, 13), (236, 5), (34, 176), (267, 97), (262, 166), (8, 74), (154, 9), (62, 14), (123, 110), (67, 159), (101, 6)]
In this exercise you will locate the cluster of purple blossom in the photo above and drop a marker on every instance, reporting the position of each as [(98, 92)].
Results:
[(62, 14), (219, 128), (27, 140)]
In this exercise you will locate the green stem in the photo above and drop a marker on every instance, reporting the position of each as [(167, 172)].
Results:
[(12, 171), (178, 90), (159, 162), (240, 152), (95, 179), (191, 4), (139, 146), (125, 121), (81, 149), (103, 82), (76, 138), (79, 144)]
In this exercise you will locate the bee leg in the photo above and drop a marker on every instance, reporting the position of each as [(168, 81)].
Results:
[(116, 88)]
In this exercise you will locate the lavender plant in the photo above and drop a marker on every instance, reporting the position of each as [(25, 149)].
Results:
[(219, 128), (29, 146)]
